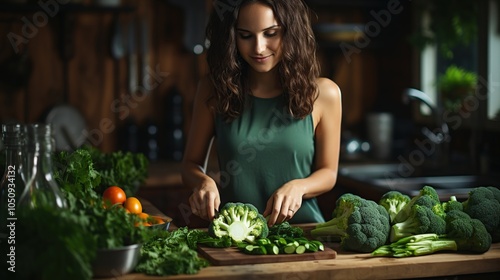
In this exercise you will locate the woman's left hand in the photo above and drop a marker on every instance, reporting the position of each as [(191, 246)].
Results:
[(284, 203)]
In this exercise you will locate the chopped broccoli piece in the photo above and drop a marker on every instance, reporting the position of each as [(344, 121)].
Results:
[(393, 202), (469, 234), (286, 230), (452, 204), (361, 225), (483, 204), (421, 219), (240, 221)]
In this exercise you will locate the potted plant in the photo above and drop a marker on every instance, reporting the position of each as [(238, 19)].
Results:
[(455, 85), (450, 23)]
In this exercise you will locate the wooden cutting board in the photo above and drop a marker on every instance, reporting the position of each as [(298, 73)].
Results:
[(232, 256)]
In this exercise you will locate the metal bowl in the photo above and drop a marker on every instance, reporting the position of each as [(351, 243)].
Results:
[(164, 226), (116, 261)]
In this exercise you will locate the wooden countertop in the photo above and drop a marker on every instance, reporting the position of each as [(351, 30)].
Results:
[(348, 265), (354, 266)]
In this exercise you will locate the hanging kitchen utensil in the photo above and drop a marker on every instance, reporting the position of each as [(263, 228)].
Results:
[(117, 44), (133, 82), (117, 51), (68, 127), (144, 53)]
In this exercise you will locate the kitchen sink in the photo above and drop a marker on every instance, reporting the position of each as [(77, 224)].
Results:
[(445, 186), (381, 178)]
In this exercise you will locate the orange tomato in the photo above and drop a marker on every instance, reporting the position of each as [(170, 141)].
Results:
[(133, 205), (114, 195), (143, 216)]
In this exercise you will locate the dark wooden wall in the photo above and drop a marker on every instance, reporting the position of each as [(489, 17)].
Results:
[(96, 83), (83, 74)]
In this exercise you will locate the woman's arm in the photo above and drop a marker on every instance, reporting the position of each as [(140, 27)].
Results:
[(328, 114), (205, 198)]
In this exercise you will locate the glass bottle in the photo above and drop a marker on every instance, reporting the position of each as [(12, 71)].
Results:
[(12, 182), (41, 188)]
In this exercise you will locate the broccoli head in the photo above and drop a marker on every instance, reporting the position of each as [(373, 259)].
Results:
[(421, 219), (393, 202), (469, 234), (452, 204), (361, 225), (240, 221), (482, 204)]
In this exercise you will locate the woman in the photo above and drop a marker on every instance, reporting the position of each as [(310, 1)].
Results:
[(276, 125)]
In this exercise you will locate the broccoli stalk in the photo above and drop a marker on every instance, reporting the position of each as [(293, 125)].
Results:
[(335, 229), (241, 222), (416, 245)]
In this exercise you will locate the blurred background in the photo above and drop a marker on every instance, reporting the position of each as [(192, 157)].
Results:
[(420, 79)]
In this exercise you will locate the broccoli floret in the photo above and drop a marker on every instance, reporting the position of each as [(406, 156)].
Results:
[(452, 204), (360, 225), (482, 204), (421, 220), (346, 200), (427, 197), (393, 202), (240, 221), (469, 234), (430, 192)]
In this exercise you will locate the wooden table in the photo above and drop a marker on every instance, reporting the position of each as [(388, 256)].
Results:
[(349, 265)]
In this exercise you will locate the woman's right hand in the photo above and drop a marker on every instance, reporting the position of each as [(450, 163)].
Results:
[(204, 200)]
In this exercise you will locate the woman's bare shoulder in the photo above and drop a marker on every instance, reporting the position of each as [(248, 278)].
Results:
[(329, 91)]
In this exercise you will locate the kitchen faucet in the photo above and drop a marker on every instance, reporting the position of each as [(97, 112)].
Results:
[(440, 137)]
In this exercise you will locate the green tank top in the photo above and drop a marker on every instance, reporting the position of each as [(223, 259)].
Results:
[(263, 149)]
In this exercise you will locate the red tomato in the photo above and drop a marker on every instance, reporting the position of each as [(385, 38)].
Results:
[(114, 195)]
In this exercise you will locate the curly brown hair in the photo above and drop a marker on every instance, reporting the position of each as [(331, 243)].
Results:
[(298, 69)]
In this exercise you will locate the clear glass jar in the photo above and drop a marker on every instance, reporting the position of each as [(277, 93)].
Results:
[(12, 182), (41, 188)]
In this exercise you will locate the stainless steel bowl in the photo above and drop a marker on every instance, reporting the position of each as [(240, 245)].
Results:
[(164, 226), (116, 261)]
